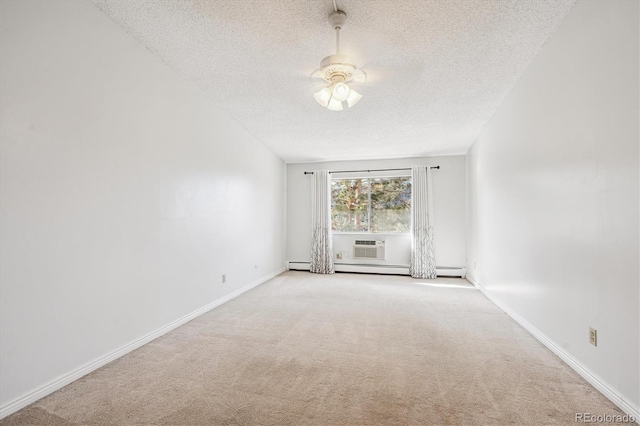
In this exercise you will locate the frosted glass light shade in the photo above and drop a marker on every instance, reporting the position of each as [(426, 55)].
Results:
[(334, 104), (353, 98), (341, 91), (332, 96), (323, 96)]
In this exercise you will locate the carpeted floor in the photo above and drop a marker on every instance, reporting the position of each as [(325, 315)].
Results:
[(344, 349)]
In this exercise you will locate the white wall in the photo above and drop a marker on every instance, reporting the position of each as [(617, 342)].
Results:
[(449, 210), (124, 194), (553, 194)]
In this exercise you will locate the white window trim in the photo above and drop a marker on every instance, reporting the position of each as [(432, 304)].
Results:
[(372, 176)]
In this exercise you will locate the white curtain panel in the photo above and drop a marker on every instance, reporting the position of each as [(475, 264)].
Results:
[(321, 239), (423, 259)]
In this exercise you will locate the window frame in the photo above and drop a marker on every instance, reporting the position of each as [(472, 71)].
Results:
[(369, 232)]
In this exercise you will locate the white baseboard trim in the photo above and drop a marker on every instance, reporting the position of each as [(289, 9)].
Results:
[(65, 379), (612, 394)]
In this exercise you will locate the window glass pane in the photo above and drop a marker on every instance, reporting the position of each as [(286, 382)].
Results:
[(349, 205), (391, 204)]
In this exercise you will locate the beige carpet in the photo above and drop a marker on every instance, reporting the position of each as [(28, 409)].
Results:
[(345, 349)]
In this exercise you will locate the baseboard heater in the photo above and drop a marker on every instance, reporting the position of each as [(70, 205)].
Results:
[(451, 271), (441, 271)]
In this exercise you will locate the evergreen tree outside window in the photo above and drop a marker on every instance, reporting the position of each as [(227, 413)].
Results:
[(376, 205)]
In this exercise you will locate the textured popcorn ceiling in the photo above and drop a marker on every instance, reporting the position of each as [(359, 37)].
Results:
[(438, 69)]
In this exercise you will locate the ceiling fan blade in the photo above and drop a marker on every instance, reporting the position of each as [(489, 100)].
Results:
[(359, 76), (408, 72), (319, 83), (376, 75)]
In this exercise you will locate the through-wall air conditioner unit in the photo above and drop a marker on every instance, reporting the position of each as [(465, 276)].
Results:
[(368, 249)]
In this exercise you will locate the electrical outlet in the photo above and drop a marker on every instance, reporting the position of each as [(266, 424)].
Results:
[(339, 255), (224, 278), (593, 336)]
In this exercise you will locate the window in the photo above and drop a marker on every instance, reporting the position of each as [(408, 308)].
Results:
[(371, 205)]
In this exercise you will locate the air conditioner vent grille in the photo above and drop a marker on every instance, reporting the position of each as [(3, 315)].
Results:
[(365, 253), (368, 249)]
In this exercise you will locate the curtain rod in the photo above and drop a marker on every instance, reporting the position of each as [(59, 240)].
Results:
[(368, 171)]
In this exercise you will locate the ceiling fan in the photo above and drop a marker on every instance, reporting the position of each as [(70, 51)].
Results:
[(336, 71)]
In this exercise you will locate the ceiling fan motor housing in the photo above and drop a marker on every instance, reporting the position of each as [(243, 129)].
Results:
[(337, 64)]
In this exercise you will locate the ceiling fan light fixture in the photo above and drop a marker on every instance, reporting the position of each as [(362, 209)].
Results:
[(341, 91), (337, 70), (323, 96), (353, 98), (334, 105)]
